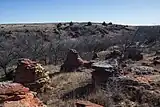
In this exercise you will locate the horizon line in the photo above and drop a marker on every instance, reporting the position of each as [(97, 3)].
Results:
[(96, 22)]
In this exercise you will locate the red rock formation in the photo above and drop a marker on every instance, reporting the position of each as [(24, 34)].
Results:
[(73, 61), (25, 71), (16, 95), (31, 74)]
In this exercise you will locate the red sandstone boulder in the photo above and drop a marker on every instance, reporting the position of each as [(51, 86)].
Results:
[(74, 61), (25, 71), (16, 95), (31, 74)]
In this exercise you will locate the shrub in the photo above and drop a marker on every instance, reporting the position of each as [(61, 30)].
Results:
[(26, 30), (104, 23), (9, 32), (71, 23), (38, 31), (59, 25), (89, 23), (110, 23)]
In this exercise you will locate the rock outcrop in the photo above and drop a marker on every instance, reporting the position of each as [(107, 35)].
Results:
[(31, 74), (16, 95), (104, 70), (73, 62), (140, 89)]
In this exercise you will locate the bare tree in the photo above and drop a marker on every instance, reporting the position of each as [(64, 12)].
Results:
[(31, 46), (128, 39), (54, 51), (7, 54)]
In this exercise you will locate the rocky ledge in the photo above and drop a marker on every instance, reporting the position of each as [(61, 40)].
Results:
[(16, 95)]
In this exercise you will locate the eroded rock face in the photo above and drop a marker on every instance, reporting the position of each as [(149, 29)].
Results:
[(73, 62), (16, 95), (31, 74)]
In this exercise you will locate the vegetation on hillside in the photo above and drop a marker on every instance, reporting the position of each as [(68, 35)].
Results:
[(49, 43)]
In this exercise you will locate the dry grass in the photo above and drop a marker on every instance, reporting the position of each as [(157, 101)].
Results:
[(62, 84), (100, 97), (71, 86)]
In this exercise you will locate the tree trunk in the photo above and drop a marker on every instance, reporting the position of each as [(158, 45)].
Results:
[(50, 60), (55, 60), (5, 70), (45, 61)]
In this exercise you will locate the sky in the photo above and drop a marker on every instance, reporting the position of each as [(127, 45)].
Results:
[(132, 12)]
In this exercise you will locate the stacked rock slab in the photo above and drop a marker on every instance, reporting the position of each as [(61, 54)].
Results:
[(16, 95), (104, 70), (31, 74)]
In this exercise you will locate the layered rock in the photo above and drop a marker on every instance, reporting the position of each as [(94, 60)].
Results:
[(104, 70), (73, 62), (16, 95), (31, 74)]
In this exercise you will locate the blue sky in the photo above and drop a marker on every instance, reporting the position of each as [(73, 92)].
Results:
[(141, 12)]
